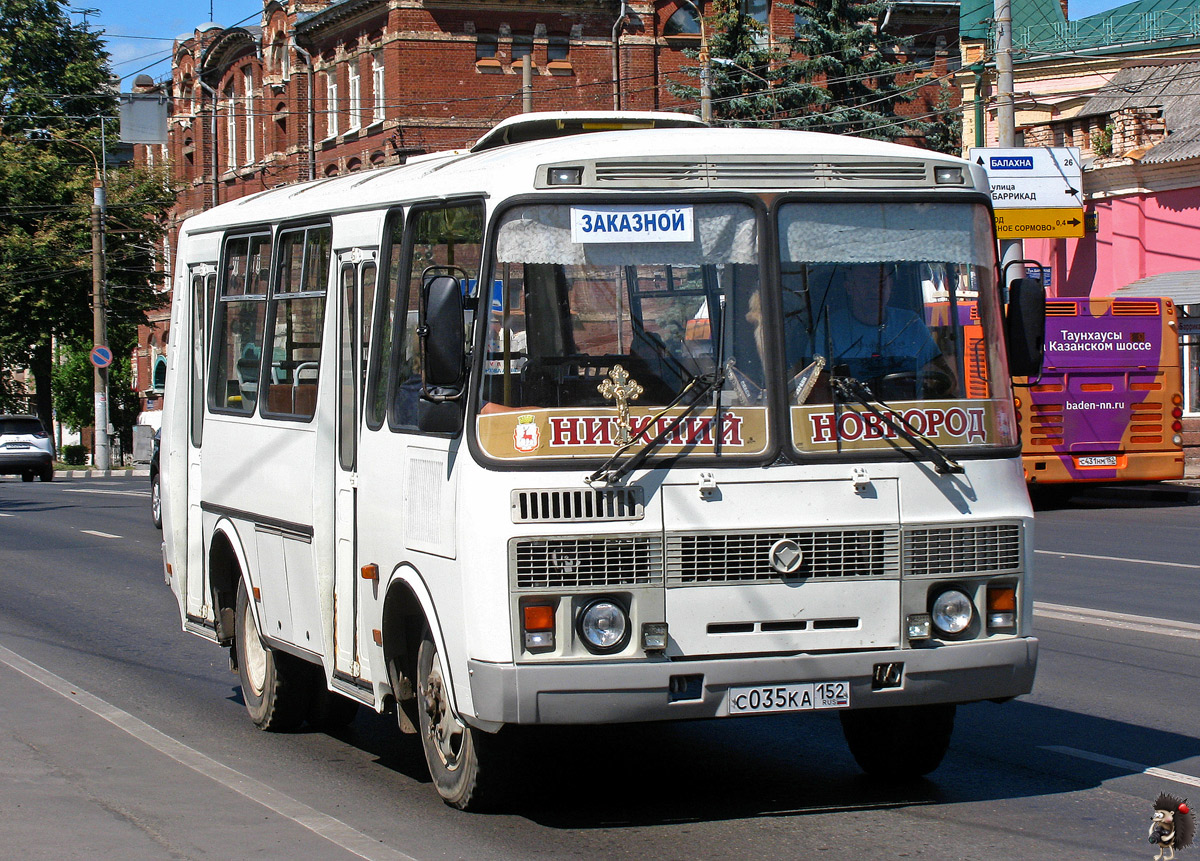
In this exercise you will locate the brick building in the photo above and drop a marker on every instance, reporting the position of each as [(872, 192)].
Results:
[(317, 89)]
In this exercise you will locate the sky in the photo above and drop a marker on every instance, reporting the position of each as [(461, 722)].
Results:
[(139, 33)]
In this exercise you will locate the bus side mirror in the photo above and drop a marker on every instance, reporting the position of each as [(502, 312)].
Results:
[(1026, 325), (443, 343)]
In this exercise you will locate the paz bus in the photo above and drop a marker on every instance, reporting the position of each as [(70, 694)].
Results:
[(1108, 404), (448, 440)]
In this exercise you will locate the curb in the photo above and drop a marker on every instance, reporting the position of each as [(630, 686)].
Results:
[(136, 472)]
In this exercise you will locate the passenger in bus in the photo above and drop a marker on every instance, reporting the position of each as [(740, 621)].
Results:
[(248, 368)]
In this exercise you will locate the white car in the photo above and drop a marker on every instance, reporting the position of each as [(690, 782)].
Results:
[(25, 448)]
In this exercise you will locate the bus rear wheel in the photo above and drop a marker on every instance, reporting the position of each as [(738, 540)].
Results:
[(465, 763), (276, 687), (901, 742)]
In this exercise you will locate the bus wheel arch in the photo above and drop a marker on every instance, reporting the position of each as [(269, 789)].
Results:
[(226, 568), (404, 622)]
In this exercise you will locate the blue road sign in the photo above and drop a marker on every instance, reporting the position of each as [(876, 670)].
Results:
[(101, 356)]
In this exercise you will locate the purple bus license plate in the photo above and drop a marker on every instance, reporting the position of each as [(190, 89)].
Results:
[(1098, 460)]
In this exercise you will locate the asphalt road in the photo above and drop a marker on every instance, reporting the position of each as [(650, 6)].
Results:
[(122, 737)]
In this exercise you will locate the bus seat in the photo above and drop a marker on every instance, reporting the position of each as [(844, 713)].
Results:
[(279, 398), (306, 399)]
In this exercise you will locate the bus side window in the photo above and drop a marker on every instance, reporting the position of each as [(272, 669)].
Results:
[(380, 355), (240, 323), (442, 236), (297, 323)]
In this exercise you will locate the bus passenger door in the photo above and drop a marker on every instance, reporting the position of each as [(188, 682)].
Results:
[(356, 291), (203, 284)]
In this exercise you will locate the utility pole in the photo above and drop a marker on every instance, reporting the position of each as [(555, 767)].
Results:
[(527, 83), (1006, 121), (103, 455)]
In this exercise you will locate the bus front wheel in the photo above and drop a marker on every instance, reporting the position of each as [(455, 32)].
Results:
[(276, 687), (463, 762), (900, 742)]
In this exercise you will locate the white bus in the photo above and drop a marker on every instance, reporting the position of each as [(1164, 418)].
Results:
[(586, 425)]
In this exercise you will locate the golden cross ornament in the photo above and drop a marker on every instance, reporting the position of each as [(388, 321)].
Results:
[(620, 388)]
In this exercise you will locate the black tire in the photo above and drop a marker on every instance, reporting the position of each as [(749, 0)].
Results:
[(47, 474), (329, 710), (27, 476), (156, 502), (467, 765), (276, 687), (899, 743)]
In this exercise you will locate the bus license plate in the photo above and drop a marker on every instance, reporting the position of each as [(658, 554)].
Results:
[(1105, 460), (789, 698)]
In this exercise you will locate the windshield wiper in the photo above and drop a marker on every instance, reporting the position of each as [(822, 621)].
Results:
[(702, 386), (850, 388)]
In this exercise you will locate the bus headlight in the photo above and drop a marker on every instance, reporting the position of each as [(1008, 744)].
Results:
[(952, 612), (604, 626)]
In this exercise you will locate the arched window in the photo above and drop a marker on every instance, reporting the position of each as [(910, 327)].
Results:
[(682, 23), (158, 379)]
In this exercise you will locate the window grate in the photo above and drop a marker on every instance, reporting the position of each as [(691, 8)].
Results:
[(577, 505)]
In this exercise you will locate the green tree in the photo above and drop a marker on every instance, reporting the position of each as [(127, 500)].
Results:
[(844, 77), (56, 89), (73, 388), (837, 74), (744, 71)]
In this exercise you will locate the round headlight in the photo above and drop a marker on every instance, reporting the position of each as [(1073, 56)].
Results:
[(952, 612), (604, 625)]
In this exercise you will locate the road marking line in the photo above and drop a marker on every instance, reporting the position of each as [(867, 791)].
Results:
[(1118, 559), (109, 492), (1124, 621), (334, 830), (1136, 767), (7, 515), (98, 534)]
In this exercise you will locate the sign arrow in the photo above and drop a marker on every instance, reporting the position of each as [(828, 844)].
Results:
[(1074, 221), (1072, 190)]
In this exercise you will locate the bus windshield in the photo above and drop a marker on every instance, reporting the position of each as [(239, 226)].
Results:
[(602, 316), (900, 299)]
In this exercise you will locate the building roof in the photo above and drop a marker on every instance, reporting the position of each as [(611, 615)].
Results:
[(1181, 287), (975, 17), (1040, 28), (1135, 26), (1167, 84)]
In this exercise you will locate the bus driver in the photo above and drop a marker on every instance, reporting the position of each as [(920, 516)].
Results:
[(873, 341)]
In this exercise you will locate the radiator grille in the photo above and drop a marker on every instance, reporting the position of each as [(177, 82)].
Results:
[(568, 563), (745, 557), (975, 549), (577, 505)]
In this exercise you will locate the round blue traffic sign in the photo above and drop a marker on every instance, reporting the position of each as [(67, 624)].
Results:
[(101, 356)]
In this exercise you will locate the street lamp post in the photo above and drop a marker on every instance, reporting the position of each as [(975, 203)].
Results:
[(102, 457)]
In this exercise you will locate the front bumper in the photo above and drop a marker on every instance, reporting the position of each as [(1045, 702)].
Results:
[(626, 692)]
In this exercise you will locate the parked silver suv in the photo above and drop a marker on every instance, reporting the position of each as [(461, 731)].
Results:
[(25, 448)]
